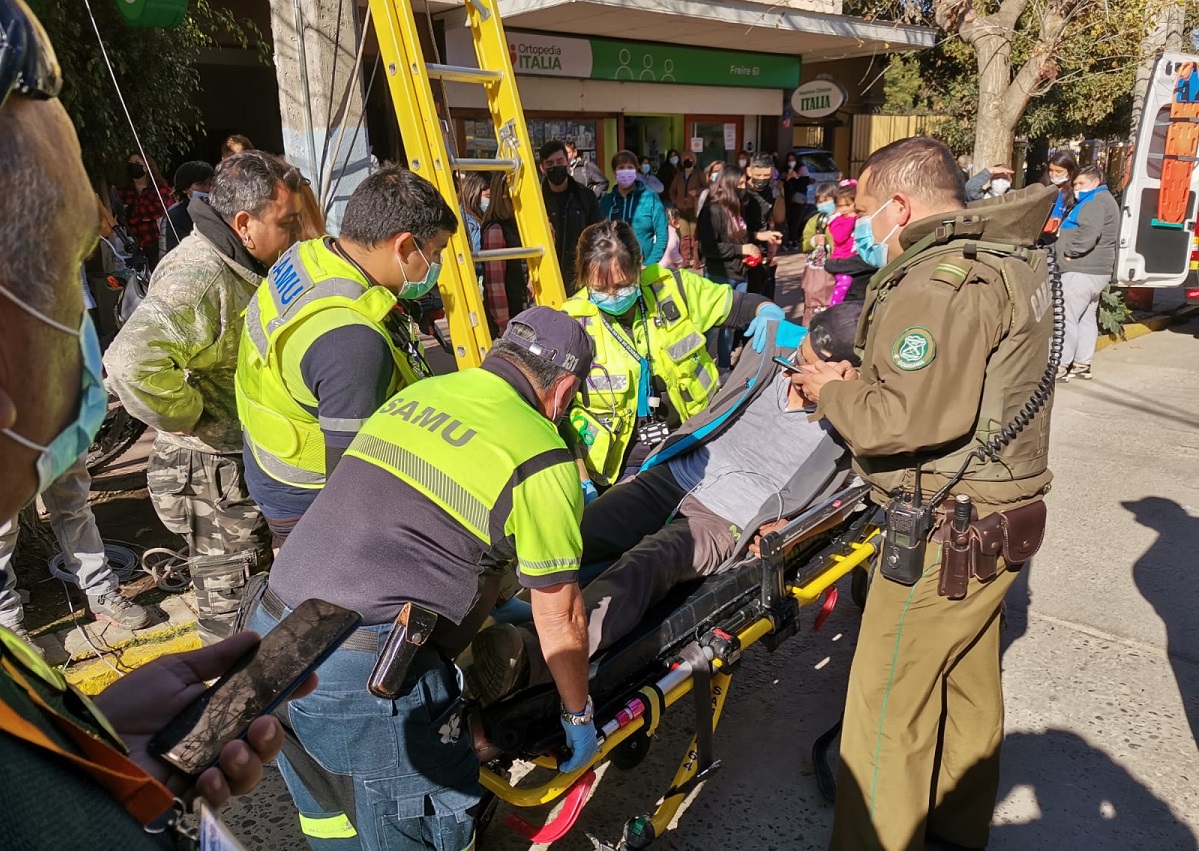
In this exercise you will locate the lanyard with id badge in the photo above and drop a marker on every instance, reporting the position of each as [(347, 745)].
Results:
[(650, 430)]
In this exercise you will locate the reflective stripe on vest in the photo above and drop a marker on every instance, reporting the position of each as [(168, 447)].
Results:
[(433, 481), (327, 827)]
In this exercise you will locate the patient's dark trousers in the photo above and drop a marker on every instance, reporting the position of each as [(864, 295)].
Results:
[(659, 537)]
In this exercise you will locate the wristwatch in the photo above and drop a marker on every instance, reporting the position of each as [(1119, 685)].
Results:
[(583, 718)]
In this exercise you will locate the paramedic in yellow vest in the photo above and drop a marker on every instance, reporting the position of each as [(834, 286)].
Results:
[(652, 370), (325, 342)]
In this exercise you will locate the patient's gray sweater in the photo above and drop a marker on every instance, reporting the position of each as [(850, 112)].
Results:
[(741, 472)]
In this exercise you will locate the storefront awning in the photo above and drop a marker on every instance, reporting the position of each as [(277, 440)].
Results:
[(730, 24)]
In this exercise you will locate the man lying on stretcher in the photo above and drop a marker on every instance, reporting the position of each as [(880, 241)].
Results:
[(752, 458)]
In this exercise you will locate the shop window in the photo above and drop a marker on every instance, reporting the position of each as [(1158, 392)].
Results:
[(480, 140)]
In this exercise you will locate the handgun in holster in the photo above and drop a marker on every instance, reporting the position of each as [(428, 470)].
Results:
[(412, 628)]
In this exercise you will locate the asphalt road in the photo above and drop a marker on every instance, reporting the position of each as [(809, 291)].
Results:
[(1101, 660)]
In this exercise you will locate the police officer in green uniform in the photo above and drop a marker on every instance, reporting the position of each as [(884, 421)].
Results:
[(325, 342), (956, 332), (652, 369), (452, 480)]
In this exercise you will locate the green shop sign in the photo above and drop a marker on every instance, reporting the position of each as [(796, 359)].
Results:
[(549, 55), (153, 13)]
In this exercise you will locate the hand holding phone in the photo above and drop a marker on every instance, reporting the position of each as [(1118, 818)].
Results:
[(266, 674), (787, 365)]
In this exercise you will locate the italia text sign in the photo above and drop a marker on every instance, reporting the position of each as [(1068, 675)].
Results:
[(818, 99)]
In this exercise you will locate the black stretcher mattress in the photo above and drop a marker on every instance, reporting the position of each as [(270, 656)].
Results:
[(526, 723)]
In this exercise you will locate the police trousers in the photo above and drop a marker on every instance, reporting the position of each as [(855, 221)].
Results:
[(409, 762), (923, 717)]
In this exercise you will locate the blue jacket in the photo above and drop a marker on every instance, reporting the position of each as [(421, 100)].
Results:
[(644, 212)]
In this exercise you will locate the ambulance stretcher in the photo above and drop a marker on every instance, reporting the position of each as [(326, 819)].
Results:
[(692, 643)]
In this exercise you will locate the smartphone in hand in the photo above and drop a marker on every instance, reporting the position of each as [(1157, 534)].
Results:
[(258, 683), (789, 366)]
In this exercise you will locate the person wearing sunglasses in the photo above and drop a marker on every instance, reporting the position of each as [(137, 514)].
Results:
[(75, 770)]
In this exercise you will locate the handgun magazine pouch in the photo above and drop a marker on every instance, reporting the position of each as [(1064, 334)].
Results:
[(1023, 530)]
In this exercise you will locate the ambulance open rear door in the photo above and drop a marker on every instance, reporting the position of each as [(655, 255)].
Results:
[(1157, 224)]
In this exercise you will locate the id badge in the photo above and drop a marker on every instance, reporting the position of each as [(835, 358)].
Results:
[(214, 833), (652, 433)]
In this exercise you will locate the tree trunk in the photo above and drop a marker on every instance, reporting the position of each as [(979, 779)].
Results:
[(1164, 34), (995, 124)]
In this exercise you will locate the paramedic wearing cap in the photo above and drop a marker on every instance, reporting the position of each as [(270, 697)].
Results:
[(451, 480)]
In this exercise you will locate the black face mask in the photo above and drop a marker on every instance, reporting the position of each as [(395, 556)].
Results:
[(136, 170), (557, 174), (759, 185), (688, 165)]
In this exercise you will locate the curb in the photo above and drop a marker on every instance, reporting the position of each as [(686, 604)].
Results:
[(92, 675), (1159, 322)]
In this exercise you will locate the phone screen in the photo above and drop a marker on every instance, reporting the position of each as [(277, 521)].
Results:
[(255, 685)]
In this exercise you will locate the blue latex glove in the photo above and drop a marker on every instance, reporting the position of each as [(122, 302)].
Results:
[(790, 335), (583, 743), (590, 494), (757, 329)]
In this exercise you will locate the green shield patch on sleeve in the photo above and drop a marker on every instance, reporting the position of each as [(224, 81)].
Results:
[(914, 349)]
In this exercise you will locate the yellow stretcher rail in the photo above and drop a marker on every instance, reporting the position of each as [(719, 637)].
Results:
[(409, 78), (838, 566)]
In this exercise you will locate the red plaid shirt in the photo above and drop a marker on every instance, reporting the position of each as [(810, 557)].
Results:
[(495, 295), (144, 210)]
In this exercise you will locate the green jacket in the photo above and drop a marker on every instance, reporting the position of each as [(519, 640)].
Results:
[(173, 363)]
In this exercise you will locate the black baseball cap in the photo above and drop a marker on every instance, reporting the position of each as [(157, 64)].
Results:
[(190, 173), (553, 336)]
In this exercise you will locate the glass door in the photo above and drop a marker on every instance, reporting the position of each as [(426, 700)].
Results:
[(719, 137)]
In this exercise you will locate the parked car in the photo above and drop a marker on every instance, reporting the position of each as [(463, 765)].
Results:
[(821, 166)]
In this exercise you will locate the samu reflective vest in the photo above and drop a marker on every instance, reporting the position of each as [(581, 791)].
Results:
[(274, 405), (681, 307)]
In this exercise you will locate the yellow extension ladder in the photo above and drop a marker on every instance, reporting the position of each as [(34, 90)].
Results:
[(410, 77)]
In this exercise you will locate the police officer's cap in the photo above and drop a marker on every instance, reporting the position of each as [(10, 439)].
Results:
[(553, 336)]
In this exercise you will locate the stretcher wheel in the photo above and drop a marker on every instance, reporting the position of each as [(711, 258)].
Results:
[(859, 585), (631, 752)]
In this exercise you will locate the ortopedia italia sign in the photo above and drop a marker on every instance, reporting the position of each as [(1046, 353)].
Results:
[(818, 99), (543, 54)]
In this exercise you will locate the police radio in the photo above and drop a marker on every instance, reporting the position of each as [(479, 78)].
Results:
[(909, 523)]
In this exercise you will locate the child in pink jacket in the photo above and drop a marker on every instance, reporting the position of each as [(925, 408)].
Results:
[(840, 228)]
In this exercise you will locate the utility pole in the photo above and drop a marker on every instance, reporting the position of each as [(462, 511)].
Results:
[(318, 61)]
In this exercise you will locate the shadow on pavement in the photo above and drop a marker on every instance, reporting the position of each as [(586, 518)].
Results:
[(1167, 575), (1084, 798)]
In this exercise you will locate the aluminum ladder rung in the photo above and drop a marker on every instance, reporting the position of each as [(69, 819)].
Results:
[(473, 164), (518, 253), (462, 74)]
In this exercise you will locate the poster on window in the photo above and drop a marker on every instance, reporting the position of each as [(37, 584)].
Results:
[(697, 144), (730, 136)]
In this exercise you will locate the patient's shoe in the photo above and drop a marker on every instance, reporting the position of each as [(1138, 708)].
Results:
[(500, 664)]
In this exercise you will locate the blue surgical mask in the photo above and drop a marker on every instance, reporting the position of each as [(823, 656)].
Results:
[(870, 250), (618, 302), (196, 193), (645, 168), (59, 454), (674, 160), (416, 289), (826, 208), (484, 203)]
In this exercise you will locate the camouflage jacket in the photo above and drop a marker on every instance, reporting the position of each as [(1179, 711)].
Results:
[(173, 363)]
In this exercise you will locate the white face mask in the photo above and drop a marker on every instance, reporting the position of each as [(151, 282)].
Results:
[(1058, 181), (1000, 185)]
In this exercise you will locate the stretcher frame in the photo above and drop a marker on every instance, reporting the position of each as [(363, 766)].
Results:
[(771, 618)]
